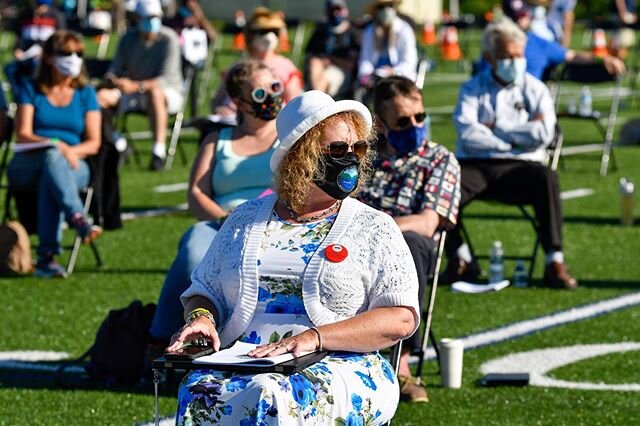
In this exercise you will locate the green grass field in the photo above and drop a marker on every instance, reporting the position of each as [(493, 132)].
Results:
[(63, 315)]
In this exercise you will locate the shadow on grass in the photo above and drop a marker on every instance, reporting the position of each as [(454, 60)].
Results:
[(111, 270), (585, 220), (604, 283), (42, 375)]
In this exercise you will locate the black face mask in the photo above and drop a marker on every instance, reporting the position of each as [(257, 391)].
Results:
[(340, 176), (268, 109)]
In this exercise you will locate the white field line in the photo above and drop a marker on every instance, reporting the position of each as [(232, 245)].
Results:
[(539, 362), (173, 187), (524, 328), (154, 212), (576, 193), (29, 361)]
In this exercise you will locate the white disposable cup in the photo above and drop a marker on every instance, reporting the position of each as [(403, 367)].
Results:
[(451, 354)]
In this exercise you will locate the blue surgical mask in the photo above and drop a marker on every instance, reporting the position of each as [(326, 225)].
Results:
[(511, 70), (409, 139), (150, 25), (335, 20)]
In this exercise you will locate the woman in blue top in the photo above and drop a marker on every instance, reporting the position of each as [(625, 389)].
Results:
[(232, 167), (57, 127)]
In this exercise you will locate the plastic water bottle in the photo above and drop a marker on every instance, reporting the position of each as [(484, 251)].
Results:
[(627, 193), (586, 102), (571, 106), (496, 263), (520, 275)]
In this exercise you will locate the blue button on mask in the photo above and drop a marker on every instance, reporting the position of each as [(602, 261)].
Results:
[(150, 25), (409, 139), (511, 70)]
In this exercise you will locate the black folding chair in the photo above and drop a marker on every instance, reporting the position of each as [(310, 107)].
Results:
[(592, 75)]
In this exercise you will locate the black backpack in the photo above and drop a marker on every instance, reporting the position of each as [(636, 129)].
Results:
[(117, 355)]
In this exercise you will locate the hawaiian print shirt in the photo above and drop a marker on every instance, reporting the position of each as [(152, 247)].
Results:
[(428, 178)]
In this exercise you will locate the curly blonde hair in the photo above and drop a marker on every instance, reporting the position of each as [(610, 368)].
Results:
[(304, 162)]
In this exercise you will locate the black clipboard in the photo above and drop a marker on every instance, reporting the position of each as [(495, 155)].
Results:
[(288, 367)]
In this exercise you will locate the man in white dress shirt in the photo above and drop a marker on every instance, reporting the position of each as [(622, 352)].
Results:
[(505, 119)]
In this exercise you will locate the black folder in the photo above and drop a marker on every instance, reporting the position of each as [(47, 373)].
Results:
[(287, 367)]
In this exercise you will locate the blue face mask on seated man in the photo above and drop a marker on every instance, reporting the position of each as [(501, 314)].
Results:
[(511, 70), (409, 139), (150, 25)]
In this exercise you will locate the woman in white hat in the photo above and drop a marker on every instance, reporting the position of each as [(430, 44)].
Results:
[(308, 268)]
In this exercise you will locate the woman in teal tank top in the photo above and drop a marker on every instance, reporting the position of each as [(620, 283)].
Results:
[(231, 167)]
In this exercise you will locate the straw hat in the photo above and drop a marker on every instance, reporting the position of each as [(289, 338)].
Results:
[(371, 8), (264, 19), (305, 112)]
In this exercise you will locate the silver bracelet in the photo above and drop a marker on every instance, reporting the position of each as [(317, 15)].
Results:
[(319, 337)]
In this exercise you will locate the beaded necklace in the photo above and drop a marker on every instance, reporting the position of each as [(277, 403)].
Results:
[(297, 218)]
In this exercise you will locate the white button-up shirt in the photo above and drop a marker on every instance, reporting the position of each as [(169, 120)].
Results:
[(494, 121)]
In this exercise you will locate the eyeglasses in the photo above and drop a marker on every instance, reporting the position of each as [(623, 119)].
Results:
[(266, 31), (405, 121), (80, 53), (259, 94), (339, 149)]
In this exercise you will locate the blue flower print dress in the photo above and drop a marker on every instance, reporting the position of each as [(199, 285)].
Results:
[(344, 388)]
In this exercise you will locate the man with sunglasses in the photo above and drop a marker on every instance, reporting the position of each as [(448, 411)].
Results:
[(146, 74), (505, 119), (417, 183)]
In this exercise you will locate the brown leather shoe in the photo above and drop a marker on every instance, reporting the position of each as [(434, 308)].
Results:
[(556, 275), (411, 391), (459, 270)]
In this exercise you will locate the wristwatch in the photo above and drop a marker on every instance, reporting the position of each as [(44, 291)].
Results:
[(141, 88)]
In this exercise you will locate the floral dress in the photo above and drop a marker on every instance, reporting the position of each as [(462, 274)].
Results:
[(344, 388)]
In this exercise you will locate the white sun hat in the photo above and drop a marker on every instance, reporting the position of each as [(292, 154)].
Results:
[(149, 8), (306, 111)]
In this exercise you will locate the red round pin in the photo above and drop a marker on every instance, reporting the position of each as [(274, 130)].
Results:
[(336, 253)]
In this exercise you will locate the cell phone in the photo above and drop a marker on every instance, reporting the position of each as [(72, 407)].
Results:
[(505, 379), (191, 350)]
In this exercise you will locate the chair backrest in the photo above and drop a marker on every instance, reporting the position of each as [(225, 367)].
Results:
[(592, 73), (96, 67)]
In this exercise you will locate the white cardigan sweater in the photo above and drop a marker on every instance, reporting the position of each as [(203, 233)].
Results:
[(378, 271)]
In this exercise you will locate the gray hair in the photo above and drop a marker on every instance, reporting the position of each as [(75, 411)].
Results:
[(503, 29)]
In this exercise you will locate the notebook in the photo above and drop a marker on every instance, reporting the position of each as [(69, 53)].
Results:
[(235, 359)]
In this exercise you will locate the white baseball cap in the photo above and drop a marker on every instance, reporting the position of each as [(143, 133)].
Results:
[(303, 113), (148, 8)]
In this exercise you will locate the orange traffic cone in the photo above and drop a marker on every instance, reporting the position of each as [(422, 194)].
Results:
[(450, 46), (283, 38), (428, 33), (239, 42), (599, 45)]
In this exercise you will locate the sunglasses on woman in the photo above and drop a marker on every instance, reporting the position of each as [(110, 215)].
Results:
[(266, 31), (405, 121), (259, 94), (80, 53), (339, 149)]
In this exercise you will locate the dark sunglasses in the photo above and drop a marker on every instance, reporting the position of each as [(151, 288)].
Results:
[(339, 149), (259, 94), (266, 31), (80, 53), (405, 121)]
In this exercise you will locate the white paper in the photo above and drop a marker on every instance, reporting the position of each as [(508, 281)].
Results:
[(237, 354), (28, 146), (465, 287), (223, 119)]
